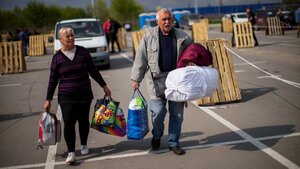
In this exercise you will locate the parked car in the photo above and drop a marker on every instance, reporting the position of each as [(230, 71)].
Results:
[(89, 34), (150, 23), (237, 17), (261, 18), (186, 21), (289, 19)]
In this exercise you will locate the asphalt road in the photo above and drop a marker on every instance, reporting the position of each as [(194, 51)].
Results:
[(261, 131)]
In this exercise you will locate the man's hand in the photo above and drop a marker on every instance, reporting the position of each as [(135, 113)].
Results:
[(135, 85)]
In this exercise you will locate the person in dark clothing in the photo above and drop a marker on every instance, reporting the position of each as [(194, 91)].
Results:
[(233, 37), (71, 67), (251, 18), (114, 27), (279, 14)]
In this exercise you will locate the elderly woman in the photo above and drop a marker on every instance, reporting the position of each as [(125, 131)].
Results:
[(71, 67)]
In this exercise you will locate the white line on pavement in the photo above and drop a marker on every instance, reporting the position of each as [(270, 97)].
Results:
[(242, 64), (263, 77), (10, 85), (278, 157), (200, 146), (292, 83), (126, 57), (50, 162), (240, 71)]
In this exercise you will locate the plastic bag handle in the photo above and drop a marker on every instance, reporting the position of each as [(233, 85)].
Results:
[(138, 93)]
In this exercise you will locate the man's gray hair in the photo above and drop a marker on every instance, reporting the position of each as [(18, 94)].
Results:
[(163, 10), (63, 31)]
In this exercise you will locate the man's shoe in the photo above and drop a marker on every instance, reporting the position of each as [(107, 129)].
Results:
[(177, 150), (155, 144), (71, 158), (84, 149)]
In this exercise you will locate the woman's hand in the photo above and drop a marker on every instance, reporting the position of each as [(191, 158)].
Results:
[(47, 106), (106, 91)]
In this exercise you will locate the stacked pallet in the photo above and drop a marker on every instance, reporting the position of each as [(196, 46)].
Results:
[(11, 58), (228, 90), (47, 41), (136, 38), (243, 35), (200, 31), (275, 27), (36, 45), (122, 38), (226, 26)]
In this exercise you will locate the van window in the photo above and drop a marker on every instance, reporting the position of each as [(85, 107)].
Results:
[(83, 29)]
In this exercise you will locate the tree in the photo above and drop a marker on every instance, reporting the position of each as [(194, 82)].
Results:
[(70, 13), (35, 14), (125, 10), (53, 14), (102, 10)]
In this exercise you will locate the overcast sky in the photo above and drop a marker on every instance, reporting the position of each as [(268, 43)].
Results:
[(148, 4)]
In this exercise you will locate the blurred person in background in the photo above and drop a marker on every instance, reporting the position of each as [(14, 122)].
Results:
[(113, 31), (251, 19), (106, 27)]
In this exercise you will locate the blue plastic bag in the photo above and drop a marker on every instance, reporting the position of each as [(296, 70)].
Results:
[(137, 121)]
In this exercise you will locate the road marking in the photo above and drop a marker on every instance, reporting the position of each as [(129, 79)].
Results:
[(126, 57), (50, 162), (11, 85), (242, 64), (278, 157), (264, 77), (240, 71), (142, 153), (292, 83)]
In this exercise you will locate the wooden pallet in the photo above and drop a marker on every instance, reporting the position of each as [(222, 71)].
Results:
[(243, 35), (122, 38), (228, 90), (136, 38), (275, 27), (226, 26), (36, 45), (200, 31), (46, 40), (11, 58)]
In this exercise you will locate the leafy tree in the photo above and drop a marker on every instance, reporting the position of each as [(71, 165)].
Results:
[(6, 18), (70, 13), (102, 10), (53, 14), (125, 10), (35, 13)]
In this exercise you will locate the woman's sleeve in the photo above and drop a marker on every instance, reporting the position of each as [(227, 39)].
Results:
[(53, 79), (93, 71)]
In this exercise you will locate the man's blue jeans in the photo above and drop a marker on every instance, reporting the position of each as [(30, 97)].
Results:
[(159, 111)]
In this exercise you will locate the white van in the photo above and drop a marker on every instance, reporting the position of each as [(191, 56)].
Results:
[(89, 34)]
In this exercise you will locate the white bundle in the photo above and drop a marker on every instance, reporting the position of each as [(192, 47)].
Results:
[(191, 83)]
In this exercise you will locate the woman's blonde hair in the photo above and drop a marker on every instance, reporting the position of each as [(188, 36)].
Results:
[(63, 31)]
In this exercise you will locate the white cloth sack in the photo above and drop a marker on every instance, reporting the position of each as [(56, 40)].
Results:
[(191, 83)]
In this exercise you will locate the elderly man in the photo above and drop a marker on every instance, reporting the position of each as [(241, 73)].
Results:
[(157, 55)]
